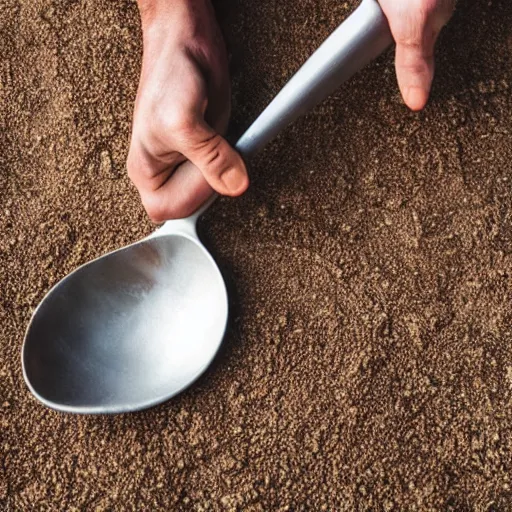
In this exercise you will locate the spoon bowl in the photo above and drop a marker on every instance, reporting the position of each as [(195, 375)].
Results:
[(128, 330)]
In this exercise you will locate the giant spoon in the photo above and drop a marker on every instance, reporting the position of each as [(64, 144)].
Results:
[(135, 327)]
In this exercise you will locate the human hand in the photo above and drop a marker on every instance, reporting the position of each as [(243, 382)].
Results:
[(177, 154), (415, 25)]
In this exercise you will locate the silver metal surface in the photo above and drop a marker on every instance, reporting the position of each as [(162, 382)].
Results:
[(135, 327), (129, 329), (358, 40)]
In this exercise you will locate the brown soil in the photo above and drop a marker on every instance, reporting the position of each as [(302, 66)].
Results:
[(368, 363)]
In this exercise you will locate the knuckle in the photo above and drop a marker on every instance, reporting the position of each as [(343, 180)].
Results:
[(218, 156), (164, 128), (215, 159), (156, 214), (136, 169), (153, 207), (411, 42), (178, 122), (158, 211), (144, 173)]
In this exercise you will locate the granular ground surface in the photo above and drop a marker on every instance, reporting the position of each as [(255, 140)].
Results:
[(368, 360)]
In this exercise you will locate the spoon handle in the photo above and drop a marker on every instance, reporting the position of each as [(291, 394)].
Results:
[(358, 40)]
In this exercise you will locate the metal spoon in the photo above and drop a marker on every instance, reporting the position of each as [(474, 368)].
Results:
[(135, 327)]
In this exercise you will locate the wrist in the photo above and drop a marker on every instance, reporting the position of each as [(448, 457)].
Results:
[(168, 12)]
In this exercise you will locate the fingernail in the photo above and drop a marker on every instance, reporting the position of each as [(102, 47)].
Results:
[(234, 180), (416, 98)]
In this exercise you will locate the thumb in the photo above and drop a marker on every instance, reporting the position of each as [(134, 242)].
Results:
[(414, 62), (221, 165), (415, 25)]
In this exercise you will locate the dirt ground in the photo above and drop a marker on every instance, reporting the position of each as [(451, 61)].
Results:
[(368, 361)]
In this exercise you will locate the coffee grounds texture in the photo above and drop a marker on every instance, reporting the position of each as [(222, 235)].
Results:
[(368, 359)]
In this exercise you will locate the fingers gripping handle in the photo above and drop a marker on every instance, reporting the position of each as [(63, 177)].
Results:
[(358, 40)]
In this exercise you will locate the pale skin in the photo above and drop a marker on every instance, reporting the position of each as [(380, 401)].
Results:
[(178, 155)]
